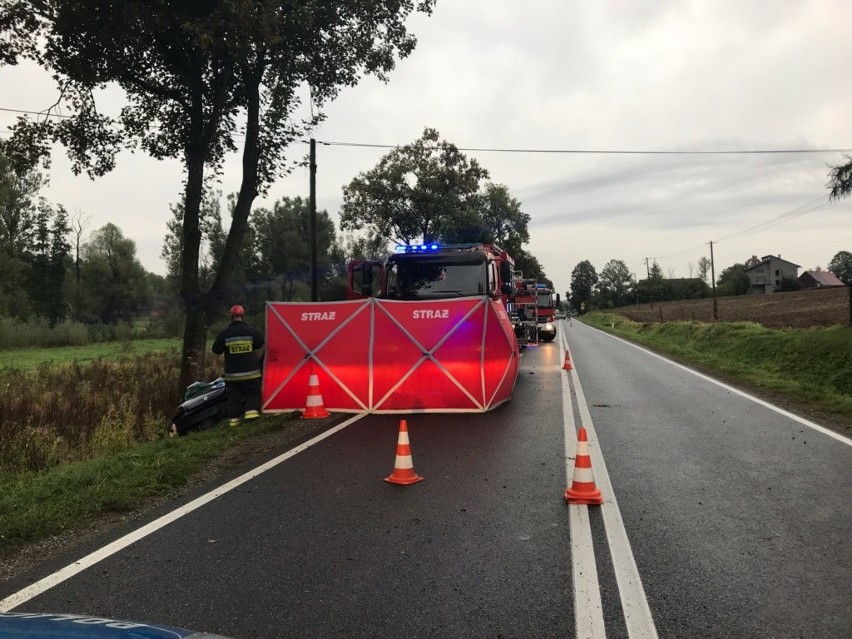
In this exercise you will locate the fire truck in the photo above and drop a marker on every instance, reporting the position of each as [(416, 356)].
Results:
[(426, 330), (535, 304), (435, 271)]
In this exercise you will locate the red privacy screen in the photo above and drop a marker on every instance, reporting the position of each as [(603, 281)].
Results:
[(389, 356)]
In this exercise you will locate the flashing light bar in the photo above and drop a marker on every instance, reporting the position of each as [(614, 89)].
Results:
[(416, 248)]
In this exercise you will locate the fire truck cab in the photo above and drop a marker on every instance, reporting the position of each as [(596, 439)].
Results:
[(433, 271)]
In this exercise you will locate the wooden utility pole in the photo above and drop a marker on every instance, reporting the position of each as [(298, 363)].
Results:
[(713, 284), (313, 212)]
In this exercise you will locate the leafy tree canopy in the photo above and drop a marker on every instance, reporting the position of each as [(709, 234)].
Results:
[(840, 180), (614, 284), (583, 280), (421, 191), (841, 266), (196, 74), (733, 280)]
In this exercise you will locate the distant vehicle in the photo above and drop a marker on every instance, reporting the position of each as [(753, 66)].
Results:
[(539, 305), (546, 329)]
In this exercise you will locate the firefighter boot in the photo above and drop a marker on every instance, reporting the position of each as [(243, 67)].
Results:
[(233, 421), (251, 414)]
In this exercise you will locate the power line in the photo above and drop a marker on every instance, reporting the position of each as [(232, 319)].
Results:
[(52, 115), (814, 204), (522, 150), (593, 151), (789, 215)]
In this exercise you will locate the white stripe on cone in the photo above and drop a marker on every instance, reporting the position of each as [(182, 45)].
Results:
[(404, 462), (314, 400), (584, 476)]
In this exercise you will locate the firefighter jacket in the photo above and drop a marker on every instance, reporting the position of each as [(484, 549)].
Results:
[(239, 341)]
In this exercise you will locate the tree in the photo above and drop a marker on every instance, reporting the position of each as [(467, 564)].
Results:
[(115, 283), (529, 265), (282, 244), (46, 262), (190, 71), (614, 283), (419, 191), (704, 268), (733, 280), (583, 280), (841, 266), (504, 221), (655, 288), (840, 182), (212, 241)]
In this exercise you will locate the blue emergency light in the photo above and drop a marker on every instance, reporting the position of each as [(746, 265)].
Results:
[(415, 248)]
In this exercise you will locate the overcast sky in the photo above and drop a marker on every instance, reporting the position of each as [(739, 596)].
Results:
[(610, 75)]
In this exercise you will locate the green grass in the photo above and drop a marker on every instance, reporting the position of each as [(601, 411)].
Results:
[(34, 506), (29, 358), (811, 367)]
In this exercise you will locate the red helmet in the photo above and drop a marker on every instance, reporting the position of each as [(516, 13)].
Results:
[(236, 309)]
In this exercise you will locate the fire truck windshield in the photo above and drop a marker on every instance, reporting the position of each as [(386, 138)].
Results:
[(436, 276)]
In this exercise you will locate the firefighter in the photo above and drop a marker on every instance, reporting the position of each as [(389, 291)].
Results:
[(241, 345)]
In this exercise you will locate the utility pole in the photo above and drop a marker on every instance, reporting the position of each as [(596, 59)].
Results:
[(713, 283), (313, 212), (636, 290)]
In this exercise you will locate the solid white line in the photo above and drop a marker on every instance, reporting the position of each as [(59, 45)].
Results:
[(16, 599), (757, 400), (588, 610), (634, 603)]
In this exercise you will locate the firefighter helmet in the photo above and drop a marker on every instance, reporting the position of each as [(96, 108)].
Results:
[(237, 310)]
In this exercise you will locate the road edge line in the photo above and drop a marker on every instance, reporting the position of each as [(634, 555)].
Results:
[(46, 583), (805, 422)]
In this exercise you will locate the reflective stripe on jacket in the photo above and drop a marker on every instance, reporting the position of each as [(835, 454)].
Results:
[(238, 342)]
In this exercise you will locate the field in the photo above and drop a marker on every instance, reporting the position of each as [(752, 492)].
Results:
[(796, 309)]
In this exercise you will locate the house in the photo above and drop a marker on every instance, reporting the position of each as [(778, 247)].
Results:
[(767, 273), (819, 279)]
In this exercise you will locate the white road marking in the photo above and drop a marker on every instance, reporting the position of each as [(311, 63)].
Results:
[(588, 611), (634, 603), (33, 590), (637, 613), (736, 391)]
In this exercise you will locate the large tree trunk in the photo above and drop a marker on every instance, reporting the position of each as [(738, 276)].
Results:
[(195, 328), (245, 198)]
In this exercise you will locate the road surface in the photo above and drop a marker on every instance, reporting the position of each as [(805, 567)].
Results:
[(723, 518)]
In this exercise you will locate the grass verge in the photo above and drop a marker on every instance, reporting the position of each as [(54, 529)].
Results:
[(30, 358), (34, 506), (812, 368)]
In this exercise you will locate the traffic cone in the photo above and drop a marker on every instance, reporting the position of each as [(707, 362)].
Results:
[(583, 490), (403, 468), (567, 365), (314, 408)]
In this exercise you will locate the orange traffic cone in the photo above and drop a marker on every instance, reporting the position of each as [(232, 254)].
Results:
[(567, 365), (583, 490), (403, 468), (314, 408)]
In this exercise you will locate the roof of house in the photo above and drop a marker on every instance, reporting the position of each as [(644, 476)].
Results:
[(824, 278), (767, 258)]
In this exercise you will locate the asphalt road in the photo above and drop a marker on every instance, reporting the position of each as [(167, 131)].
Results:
[(738, 519)]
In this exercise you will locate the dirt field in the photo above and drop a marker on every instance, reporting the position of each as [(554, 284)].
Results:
[(797, 309)]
